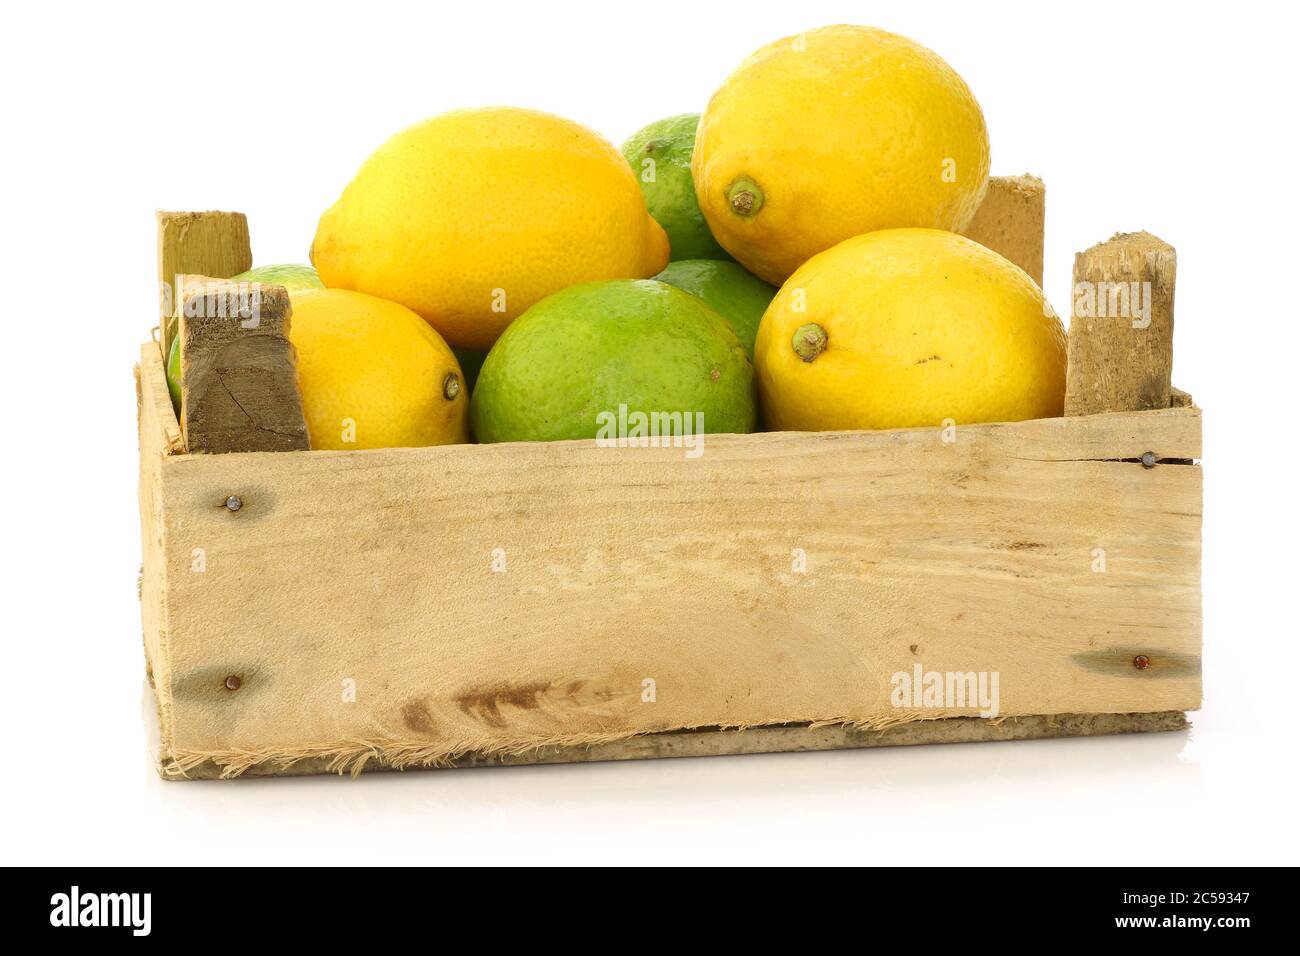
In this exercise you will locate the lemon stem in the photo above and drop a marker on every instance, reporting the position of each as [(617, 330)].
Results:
[(744, 197), (809, 341)]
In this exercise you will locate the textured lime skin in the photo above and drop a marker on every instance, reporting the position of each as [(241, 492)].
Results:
[(669, 144), (293, 277), (593, 347), (736, 295)]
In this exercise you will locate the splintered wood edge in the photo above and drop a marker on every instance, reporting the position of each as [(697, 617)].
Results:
[(801, 738)]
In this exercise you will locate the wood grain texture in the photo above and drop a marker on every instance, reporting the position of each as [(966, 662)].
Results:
[(496, 599), (1011, 221), (1122, 326), (202, 243), (239, 389)]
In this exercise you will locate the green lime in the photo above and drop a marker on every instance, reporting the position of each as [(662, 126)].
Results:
[(293, 277), (733, 293), (470, 363), (660, 155), (173, 372), (596, 360)]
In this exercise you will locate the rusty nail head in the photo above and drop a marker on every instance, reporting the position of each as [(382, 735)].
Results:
[(1141, 662), (1148, 459), (233, 503), (234, 682)]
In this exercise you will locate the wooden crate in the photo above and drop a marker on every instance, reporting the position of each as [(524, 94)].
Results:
[(555, 602)]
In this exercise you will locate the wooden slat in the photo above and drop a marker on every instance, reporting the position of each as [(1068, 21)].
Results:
[(157, 417), (498, 598), (160, 437), (1010, 221)]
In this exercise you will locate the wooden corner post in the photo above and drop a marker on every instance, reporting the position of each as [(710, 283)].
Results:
[(239, 389), (1122, 327), (212, 244)]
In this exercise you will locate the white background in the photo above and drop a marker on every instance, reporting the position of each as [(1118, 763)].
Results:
[(1138, 116)]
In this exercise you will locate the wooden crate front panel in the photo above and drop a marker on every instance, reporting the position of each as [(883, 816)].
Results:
[(493, 598)]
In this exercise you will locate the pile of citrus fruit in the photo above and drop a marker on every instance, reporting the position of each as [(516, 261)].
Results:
[(789, 259)]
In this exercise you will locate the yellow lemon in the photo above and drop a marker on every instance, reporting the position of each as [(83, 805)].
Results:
[(833, 133), (472, 216), (373, 374), (908, 327)]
